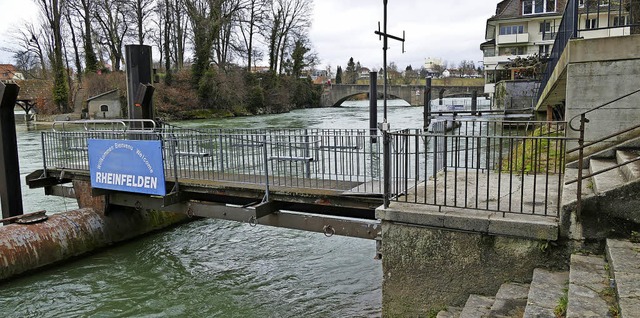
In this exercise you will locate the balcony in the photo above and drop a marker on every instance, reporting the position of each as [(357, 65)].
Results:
[(513, 38)]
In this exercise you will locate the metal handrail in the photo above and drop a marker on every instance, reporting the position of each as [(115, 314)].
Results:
[(604, 170), (582, 146), (604, 138), (144, 123)]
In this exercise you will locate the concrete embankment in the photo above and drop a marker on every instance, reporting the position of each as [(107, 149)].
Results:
[(70, 234)]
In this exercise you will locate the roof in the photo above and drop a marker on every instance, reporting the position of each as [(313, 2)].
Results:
[(102, 95), (33, 89), (512, 9), (490, 43), (7, 71)]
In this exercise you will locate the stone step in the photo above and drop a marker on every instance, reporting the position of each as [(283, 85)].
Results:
[(631, 171), (588, 284), (606, 180), (624, 263), (569, 194), (546, 290), (511, 300), (477, 306), (451, 312)]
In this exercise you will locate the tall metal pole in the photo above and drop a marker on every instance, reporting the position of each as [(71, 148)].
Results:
[(427, 105), (384, 127), (373, 105), (384, 59)]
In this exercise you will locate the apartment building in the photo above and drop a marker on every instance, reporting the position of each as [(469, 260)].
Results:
[(519, 28)]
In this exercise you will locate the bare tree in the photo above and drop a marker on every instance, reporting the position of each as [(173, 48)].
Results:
[(83, 9), (211, 22), (177, 34), (75, 45), (205, 23), (28, 51), (252, 17), (286, 16), (140, 12), (111, 16), (52, 11)]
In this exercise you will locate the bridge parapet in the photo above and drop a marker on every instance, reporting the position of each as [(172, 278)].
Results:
[(412, 94)]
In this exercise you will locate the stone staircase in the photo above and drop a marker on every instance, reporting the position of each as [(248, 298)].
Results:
[(610, 200), (594, 286)]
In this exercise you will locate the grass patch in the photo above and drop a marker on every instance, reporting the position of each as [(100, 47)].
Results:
[(537, 152), (563, 302), (433, 312)]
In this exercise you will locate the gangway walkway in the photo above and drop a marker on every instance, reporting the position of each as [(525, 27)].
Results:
[(250, 174)]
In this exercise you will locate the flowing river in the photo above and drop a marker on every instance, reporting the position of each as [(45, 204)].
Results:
[(211, 268)]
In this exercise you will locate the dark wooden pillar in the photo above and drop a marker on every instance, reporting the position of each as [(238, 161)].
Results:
[(10, 191)]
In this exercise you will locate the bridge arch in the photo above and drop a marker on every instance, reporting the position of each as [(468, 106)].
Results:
[(339, 102), (335, 94)]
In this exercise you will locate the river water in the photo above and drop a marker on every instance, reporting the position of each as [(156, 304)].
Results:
[(211, 268)]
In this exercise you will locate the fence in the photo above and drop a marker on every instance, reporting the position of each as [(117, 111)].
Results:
[(348, 160), (510, 167)]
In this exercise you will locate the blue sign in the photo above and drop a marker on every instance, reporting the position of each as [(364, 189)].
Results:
[(127, 165)]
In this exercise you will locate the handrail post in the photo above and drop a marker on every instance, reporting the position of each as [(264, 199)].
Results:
[(386, 153), (266, 168), (583, 121)]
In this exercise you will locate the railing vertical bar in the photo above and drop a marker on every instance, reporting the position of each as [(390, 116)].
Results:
[(417, 166), (522, 171)]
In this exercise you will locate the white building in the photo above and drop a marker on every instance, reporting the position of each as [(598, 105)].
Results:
[(526, 27), (519, 28)]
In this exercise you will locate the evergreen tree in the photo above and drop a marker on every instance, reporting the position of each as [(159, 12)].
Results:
[(339, 75), (350, 72)]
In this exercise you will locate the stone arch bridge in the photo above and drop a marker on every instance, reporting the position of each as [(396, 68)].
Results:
[(334, 95)]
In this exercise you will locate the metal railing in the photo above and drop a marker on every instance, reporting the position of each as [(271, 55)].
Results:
[(347, 160), (585, 16), (503, 166), (582, 146), (567, 30)]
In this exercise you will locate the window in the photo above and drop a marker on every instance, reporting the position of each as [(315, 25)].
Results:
[(581, 3), (545, 27), (513, 50), (497, 76), (538, 6), (543, 50), (591, 24), (621, 20), (511, 29)]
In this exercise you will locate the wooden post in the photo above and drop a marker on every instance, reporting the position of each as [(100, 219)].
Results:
[(10, 190)]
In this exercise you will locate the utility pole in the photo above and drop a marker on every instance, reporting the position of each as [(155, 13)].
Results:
[(384, 36), (384, 127)]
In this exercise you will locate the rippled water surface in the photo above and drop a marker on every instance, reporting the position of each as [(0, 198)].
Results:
[(211, 268)]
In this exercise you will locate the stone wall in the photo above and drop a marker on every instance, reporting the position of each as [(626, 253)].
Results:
[(428, 269)]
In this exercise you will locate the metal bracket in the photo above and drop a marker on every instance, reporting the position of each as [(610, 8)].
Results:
[(38, 179), (266, 208), (172, 198)]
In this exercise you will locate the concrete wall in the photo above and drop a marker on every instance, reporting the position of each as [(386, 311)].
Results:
[(591, 72), (428, 269), (113, 103), (591, 84), (515, 94)]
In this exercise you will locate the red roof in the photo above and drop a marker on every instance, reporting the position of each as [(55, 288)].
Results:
[(7, 71)]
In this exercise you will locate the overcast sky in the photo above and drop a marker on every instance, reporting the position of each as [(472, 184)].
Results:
[(448, 29)]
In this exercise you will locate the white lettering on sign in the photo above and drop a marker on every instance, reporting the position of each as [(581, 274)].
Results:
[(128, 180)]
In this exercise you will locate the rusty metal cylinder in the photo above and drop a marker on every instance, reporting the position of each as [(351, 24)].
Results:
[(66, 235)]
